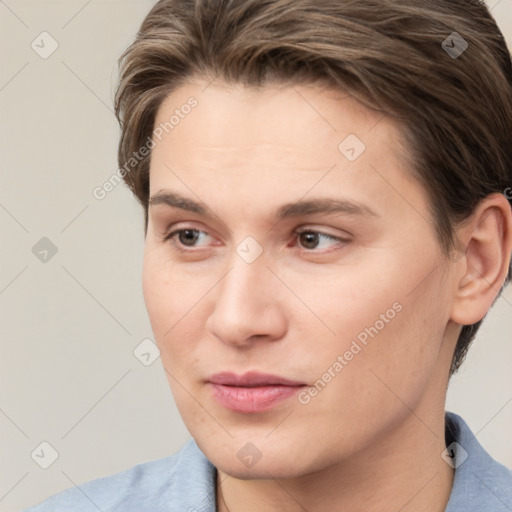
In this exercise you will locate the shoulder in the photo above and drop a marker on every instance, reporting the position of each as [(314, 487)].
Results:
[(183, 481), (480, 482)]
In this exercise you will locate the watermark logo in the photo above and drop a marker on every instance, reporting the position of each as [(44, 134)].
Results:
[(454, 455), (352, 147), (44, 250), (249, 455), (44, 455), (454, 45), (249, 250), (146, 352), (44, 45)]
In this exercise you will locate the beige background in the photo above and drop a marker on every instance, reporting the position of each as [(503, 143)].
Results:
[(69, 326)]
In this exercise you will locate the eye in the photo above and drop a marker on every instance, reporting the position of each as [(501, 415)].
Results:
[(311, 240), (185, 237)]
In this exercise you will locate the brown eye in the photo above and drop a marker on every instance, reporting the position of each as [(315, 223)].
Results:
[(188, 237), (309, 239)]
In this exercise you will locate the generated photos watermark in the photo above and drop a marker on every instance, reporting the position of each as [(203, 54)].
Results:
[(357, 345), (100, 192)]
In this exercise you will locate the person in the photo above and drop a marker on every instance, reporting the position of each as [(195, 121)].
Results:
[(326, 190)]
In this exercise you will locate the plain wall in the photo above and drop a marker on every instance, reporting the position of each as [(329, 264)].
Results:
[(69, 325)]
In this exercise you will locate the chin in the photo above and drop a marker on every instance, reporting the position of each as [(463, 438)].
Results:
[(263, 470), (243, 460)]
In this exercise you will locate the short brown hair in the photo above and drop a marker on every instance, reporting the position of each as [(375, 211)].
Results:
[(454, 109)]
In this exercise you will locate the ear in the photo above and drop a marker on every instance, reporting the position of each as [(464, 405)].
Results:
[(481, 271)]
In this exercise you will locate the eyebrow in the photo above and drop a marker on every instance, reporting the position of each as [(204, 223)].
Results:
[(325, 205)]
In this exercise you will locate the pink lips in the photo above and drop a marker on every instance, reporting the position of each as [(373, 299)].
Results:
[(252, 391)]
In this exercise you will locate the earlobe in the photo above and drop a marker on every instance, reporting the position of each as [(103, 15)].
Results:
[(483, 268)]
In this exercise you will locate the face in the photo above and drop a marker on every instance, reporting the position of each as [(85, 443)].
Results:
[(292, 277)]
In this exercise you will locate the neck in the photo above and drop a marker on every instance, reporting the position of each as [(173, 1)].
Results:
[(402, 471)]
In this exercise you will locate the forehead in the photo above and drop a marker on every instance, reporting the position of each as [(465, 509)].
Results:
[(292, 138), (310, 120)]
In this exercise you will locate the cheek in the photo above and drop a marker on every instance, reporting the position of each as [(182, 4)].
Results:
[(386, 362), (174, 299), (163, 297), (385, 321), (176, 304), (158, 295)]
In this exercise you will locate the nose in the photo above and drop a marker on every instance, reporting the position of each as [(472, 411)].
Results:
[(247, 307)]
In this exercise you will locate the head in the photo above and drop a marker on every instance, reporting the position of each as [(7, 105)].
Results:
[(339, 171)]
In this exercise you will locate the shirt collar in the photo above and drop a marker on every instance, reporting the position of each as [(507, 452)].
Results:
[(480, 483)]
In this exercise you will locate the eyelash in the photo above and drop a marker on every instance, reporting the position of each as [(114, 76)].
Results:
[(180, 248)]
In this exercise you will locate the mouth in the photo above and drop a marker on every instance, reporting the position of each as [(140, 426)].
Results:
[(253, 391)]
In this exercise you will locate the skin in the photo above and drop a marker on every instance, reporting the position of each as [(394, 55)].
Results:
[(372, 438)]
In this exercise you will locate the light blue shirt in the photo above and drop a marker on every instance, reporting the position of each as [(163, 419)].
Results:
[(185, 482)]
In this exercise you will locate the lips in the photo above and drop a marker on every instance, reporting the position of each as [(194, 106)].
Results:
[(253, 391), (251, 380)]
